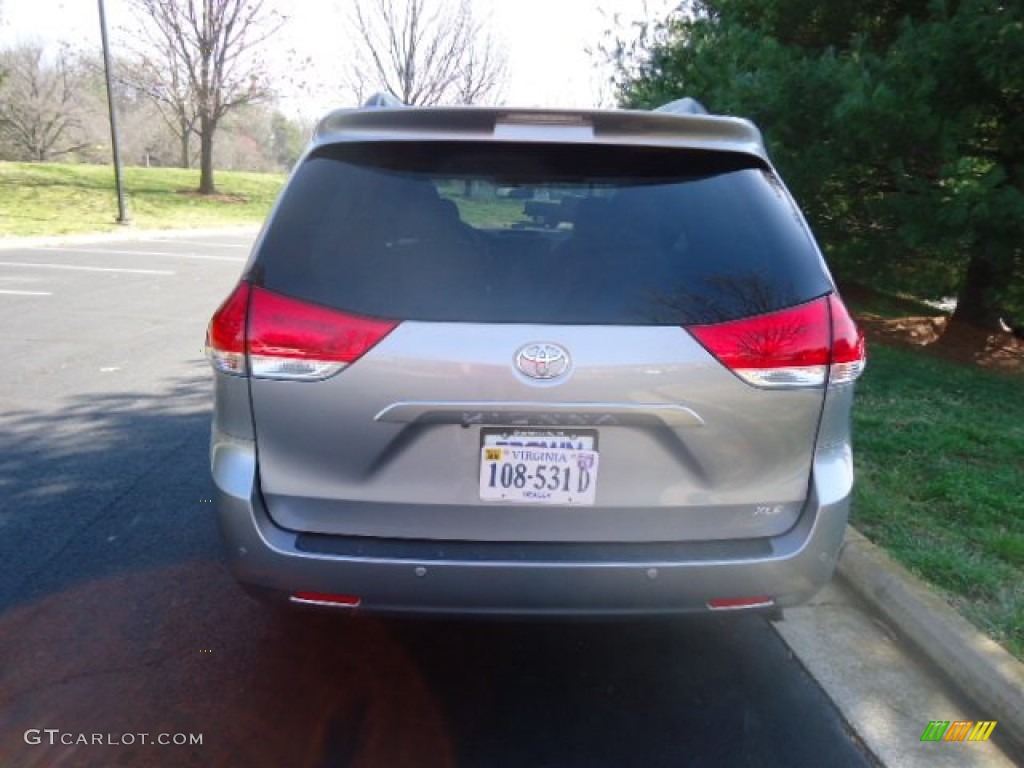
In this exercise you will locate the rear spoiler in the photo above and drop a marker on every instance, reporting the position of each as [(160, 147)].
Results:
[(680, 124), (684, 106), (383, 99)]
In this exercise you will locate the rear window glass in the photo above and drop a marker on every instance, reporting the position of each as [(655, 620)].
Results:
[(506, 233)]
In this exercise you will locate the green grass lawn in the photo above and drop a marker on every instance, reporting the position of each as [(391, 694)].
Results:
[(939, 448), (491, 214), (55, 198)]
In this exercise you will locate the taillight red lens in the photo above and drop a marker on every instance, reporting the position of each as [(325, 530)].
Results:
[(283, 338), (789, 348), (292, 339), (225, 338), (797, 347), (849, 354)]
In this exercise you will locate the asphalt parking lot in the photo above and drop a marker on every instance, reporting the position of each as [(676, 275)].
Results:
[(117, 616)]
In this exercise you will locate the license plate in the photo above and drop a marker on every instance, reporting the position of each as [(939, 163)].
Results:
[(539, 466)]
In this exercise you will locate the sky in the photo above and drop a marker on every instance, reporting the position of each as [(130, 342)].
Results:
[(544, 40)]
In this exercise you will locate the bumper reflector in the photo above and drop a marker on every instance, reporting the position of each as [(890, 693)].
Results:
[(323, 598), (737, 603)]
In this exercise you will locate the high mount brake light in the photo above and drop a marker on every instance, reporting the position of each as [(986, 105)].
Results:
[(285, 338), (802, 346)]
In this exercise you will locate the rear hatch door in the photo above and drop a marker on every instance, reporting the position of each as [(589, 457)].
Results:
[(540, 313)]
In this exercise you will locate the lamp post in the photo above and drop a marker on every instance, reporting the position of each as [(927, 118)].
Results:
[(122, 216)]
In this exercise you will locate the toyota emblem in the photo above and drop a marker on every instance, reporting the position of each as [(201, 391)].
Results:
[(544, 361)]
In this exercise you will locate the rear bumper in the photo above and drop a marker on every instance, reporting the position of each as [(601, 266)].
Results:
[(550, 580)]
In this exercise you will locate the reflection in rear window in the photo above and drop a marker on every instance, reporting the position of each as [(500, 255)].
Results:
[(509, 233)]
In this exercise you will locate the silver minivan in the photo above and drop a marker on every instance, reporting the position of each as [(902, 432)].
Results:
[(534, 362)]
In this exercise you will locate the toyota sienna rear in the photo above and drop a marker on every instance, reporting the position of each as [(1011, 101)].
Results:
[(493, 361)]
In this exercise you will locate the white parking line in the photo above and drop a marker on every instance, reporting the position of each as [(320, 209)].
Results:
[(25, 293), (201, 244), (167, 254), (30, 265)]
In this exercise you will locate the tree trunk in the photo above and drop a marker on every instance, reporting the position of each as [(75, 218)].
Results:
[(185, 160), (976, 304), (206, 130)]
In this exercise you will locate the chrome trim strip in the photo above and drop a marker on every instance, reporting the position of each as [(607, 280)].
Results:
[(455, 412)]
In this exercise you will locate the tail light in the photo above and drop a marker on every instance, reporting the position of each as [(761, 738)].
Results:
[(803, 346), (225, 338), (849, 354), (270, 336)]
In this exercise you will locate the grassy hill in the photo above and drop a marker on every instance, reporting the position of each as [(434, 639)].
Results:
[(55, 198)]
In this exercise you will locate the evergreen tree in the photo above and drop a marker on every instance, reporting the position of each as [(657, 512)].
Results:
[(898, 124)]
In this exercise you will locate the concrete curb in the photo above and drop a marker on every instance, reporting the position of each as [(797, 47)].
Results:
[(127, 233), (978, 666)]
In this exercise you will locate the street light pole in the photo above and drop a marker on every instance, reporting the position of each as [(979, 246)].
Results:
[(122, 216)]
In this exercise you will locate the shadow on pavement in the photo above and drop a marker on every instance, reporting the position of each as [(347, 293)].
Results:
[(104, 483), (117, 617), (180, 650)]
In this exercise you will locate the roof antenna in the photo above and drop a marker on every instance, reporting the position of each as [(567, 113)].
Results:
[(382, 99), (683, 106)]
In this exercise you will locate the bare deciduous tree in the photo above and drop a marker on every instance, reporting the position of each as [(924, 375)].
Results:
[(424, 52), (162, 77), (206, 50), (38, 107)]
